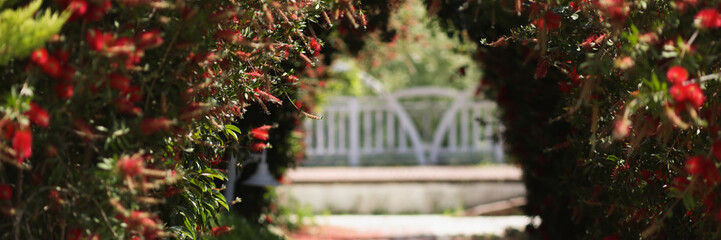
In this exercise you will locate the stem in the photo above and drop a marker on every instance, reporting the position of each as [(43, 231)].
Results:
[(21, 210), (105, 217), (706, 78), (19, 187), (162, 62), (690, 41)]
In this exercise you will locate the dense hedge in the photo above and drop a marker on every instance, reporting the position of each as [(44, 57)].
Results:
[(611, 108), (115, 114)]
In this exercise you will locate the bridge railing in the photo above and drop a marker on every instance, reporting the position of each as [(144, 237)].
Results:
[(427, 123)]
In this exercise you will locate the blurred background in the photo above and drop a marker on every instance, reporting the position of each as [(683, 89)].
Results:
[(407, 147)]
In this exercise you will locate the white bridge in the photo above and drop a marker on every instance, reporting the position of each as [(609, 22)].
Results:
[(427, 124)]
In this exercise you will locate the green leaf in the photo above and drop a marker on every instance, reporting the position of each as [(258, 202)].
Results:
[(688, 202), (233, 127)]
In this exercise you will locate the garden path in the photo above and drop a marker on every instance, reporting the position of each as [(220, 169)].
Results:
[(411, 227)]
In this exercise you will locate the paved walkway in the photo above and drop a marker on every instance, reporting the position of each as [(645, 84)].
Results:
[(496, 173), (408, 227)]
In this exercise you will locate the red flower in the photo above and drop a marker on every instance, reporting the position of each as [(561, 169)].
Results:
[(267, 96), (6, 192), (625, 62), (126, 106), (242, 55), (132, 93), (96, 12), (707, 18), (677, 75), (9, 130), (702, 166), (574, 76), (39, 56), (258, 146), (215, 161), (98, 40), (261, 133), (678, 93), (549, 21), (565, 87), (216, 231), (74, 234), (140, 219), (254, 74), (119, 82), (123, 45), (55, 196), (151, 125), (690, 93), (716, 149), (52, 68), (616, 10), (650, 38), (64, 90), (315, 46), (149, 39), (695, 95), (130, 166), (23, 144), (695, 165), (621, 128), (79, 8), (38, 115), (541, 70), (680, 183), (574, 6)]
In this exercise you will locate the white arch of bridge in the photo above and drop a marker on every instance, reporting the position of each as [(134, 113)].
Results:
[(349, 127)]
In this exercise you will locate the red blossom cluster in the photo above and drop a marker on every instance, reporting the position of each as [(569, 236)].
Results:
[(315, 46), (616, 10), (260, 134), (23, 144), (708, 19), (56, 67), (128, 50), (38, 115), (6, 192), (220, 230), (91, 11), (141, 223), (152, 125), (130, 165), (22, 138), (703, 167), (684, 92), (548, 22)]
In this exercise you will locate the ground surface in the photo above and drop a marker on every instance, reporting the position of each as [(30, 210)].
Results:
[(436, 227)]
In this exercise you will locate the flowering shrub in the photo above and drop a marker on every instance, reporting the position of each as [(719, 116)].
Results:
[(610, 106), (113, 127)]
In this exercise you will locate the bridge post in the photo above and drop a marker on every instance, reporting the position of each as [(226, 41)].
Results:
[(354, 136), (232, 178)]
